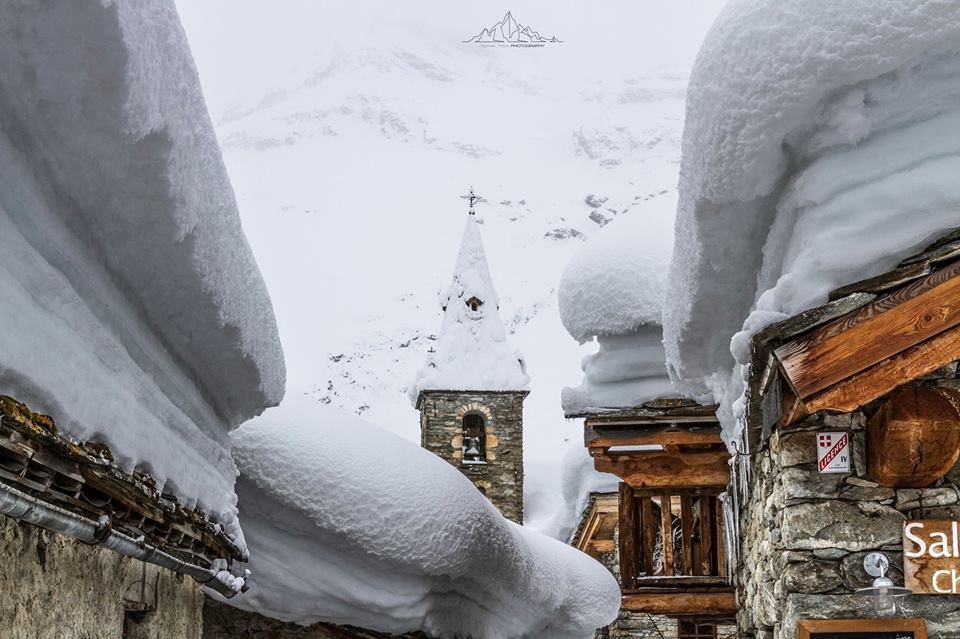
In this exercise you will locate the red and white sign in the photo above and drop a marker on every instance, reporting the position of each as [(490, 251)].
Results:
[(833, 452)]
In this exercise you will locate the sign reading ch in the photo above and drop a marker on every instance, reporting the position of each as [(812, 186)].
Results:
[(931, 556)]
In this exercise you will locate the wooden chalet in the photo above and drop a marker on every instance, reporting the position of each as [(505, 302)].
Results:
[(874, 368), (670, 539)]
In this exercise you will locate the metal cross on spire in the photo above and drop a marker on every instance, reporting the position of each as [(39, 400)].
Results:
[(473, 198)]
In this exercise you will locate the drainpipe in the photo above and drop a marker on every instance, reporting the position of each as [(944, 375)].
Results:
[(24, 507)]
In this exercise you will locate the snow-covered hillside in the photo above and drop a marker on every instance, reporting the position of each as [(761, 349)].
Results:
[(350, 135)]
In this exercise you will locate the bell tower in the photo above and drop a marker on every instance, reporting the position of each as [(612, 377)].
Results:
[(470, 390)]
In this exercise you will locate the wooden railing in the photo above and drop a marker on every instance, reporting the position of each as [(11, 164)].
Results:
[(671, 539)]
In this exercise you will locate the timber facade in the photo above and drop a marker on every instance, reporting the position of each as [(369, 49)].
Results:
[(666, 543)]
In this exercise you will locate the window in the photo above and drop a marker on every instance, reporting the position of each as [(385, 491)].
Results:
[(694, 630), (474, 439), (474, 303)]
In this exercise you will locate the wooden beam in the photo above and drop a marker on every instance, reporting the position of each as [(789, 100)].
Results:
[(914, 439), (666, 533), (628, 536), (680, 603), (686, 527), (877, 381), (873, 333), (656, 469), (706, 536), (648, 534), (604, 436)]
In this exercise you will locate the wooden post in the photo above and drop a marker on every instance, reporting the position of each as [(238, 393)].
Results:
[(666, 531), (706, 536), (628, 537), (648, 533), (686, 527)]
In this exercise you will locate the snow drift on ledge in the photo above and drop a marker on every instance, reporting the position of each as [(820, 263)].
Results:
[(613, 289), (821, 146), (350, 524), (471, 352), (133, 310)]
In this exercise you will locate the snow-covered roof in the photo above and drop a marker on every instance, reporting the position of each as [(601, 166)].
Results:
[(351, 524), (613, 289), (818, 150), (615, 283), (471, 351), (133, 310)]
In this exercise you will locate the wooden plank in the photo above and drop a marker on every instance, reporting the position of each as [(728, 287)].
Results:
[(868, 385), (648, 534), (666, 533), (686, 536), (628, 536), (656, 469), (604, 436), (682, 582), (706, 537), (873, 333), (680, 603)]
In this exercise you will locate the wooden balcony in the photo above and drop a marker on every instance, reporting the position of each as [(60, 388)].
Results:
[(672, 559)]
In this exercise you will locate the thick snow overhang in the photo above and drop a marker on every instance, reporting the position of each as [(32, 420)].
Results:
[(103, 100), (815, 153)]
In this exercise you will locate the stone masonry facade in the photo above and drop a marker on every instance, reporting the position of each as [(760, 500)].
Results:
[(804, 535), (441, 432), (55, 587)]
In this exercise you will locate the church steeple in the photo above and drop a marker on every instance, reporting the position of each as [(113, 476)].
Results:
[(471, 352), (471, 388)]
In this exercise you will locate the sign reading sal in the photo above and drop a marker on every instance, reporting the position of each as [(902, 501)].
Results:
[(931, 556)]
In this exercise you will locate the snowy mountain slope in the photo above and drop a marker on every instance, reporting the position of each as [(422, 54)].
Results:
[(350, 157)]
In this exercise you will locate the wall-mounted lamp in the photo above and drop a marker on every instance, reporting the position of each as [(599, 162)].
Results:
[(883, 591)]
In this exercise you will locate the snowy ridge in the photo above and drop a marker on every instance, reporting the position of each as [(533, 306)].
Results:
[(819, 149), (471, 350), (348, 523), (134, 310)]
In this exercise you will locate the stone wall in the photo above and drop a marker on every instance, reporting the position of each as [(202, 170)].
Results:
[(804, 535), (54, 587), (501, 478)]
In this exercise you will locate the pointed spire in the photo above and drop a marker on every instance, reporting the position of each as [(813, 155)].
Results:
[(471, 352)]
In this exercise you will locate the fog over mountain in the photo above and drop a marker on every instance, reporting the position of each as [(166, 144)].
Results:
[(350, 133)]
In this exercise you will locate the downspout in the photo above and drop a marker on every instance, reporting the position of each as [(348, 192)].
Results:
[(24, 507)]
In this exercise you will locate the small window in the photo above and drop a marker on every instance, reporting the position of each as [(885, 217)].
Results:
[(474, 439), (474, 303)]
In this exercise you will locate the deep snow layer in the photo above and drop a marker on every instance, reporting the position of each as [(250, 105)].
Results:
[(820, 147), (351, 524), (133, 309), (471, 352), (613, 289)]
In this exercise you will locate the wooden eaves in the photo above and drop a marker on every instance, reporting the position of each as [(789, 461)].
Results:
[(82, 478), (871, 337)]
